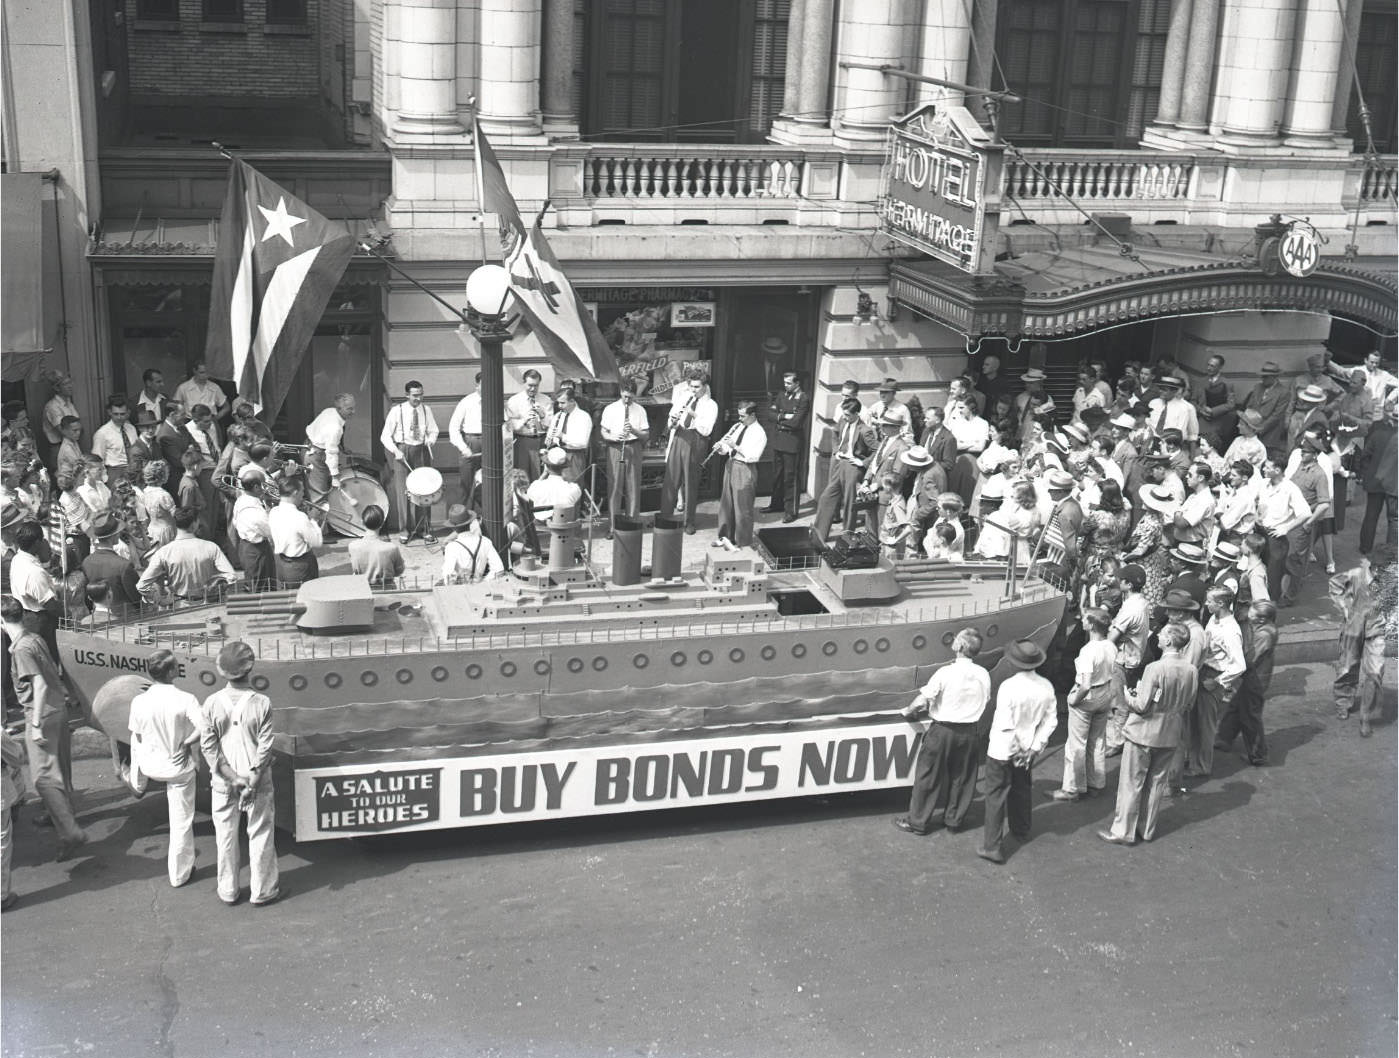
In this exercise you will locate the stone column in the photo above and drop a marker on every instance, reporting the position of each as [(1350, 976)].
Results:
[(945, 43), (791, 84), (508, 96), (1254, 71), (427, 104), (1345, 79), (873, 32), (815, 74), (1199, 66), (1320, 33), (980, 63), (558, 67), (1173, 66)]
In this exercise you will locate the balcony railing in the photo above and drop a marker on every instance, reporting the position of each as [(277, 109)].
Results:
[(1379, 183), (1099, 176), (681, 173)]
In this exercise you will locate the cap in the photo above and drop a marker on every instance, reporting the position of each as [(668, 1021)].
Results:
[(556, 457), (144, 417), (236, 660), (774, 346)]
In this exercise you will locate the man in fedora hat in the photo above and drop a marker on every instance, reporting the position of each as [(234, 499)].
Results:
[(1377, 470), (790, 408), (889, 402), (1273, 402), (1215, 405), (923, 500), (1247, 446), (886, 461), (1026, 715), (1064, 527), (145, 448), (1180, 606), (237, 743), (1316, 376), (1151, 735), (1188, 568), (1176, 413), (104, 565), (774, 361), (855, 442), (1308, 412), (1034, 401), (468, 556)]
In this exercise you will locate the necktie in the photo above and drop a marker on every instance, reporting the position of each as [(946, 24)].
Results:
[(738, 441), (416, 436), (845, 442), (1161, 419), (563, 427), (209, 438), (125, 443)]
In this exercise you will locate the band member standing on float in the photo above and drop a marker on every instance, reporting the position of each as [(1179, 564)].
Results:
[(464, 431), (252, 531), (625, 429), (528, 417), (294, 536), (792, 407), (571, 429), (693, 414), (744, 444), (323, 438), (409, 433)]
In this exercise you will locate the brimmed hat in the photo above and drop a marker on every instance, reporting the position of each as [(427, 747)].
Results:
[(889, 385), (458, 517), (1226, 553), (895, 416), (1312, 395), (1123, 421), (1058, 442), (1178, 599), (1033, 375), (1158, 498), (106, 526), (1253, 417), (1270, 368), (1170, 433), (1024, 654), (1190, 553), (13, 514), (774, 346), (236, 660), (917, 456), (1059, 481), (950, 499), (1152, 458), (1077, 432), (556, 457)]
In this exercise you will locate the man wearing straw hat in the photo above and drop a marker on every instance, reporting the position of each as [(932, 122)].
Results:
[(1025, 717), (237, 743)]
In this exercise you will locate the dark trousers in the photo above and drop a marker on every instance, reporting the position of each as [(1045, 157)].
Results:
[(838, 497), (1375, 503), (963, 478), (412, 519), (468, 465), (682, 474), (786, 482), (623, 480), (44, 624), (1245, 717), (945, 775), (527, 454), (294, 571), (1276, 558), (259, 564), (1007, 799)]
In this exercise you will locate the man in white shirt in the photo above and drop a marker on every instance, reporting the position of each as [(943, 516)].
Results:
[(874, 415), (1281, 509), (1378, 381), (166, 725), (1194, 522), (624, 430), (693, 414), (744, 444), (464, 431), (237, 743), (527, 415), (112, 441), (1238, 501), (1175, 412), (468, 556), (294, 536), (409, 433), (251, 531), (972, 434), (1220, 676), (152, 396), (1025, 717), (571, 430), (200, 389), (955, 698), (189, 567), (324, 435), (33, 585), (553, 491)]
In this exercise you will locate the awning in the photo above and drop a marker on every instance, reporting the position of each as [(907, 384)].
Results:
[(1057, 294), (22, 272)]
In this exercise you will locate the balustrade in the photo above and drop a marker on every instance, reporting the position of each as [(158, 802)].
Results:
[(670, 174)]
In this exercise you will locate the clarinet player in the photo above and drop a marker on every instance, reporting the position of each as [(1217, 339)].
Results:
[(692, 418)]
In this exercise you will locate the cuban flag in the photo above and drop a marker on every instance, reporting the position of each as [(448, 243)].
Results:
[(275, 267), (545, 297)]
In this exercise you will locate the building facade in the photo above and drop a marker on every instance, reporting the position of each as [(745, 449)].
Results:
[(709, 173)]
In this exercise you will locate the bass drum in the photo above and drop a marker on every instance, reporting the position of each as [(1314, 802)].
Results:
[(358, 489)]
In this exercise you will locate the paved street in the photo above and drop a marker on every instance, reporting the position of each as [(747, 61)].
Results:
[(1260, 922)]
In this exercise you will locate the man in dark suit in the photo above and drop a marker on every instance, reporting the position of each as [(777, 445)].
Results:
[(886, 462), (172, 439), (791, 407), (1273, 401), (854, 444), (104, 564), (940, 442)]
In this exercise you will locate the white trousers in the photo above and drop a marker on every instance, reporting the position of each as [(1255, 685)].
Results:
[(1085, 751), (262, 853), (179, 795)]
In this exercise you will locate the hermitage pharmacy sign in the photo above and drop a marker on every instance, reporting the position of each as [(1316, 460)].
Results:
[(940, 191)]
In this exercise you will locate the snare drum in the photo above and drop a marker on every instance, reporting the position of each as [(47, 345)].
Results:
[(423, 486), (358, 489)]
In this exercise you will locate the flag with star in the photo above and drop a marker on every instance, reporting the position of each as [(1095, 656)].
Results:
[(276, 264), (543, 294)]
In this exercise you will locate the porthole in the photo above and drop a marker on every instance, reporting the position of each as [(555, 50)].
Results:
[(736, 655), (369, 679), (575, 665), (678, 658), (507, 669), (798, 650), (861, 646), (473, 671), (599, 664), (298, 682), (208, 679), (992, 631), (439, 673), (919, 642), (704, 657), (947, 638), (332, 679), (404, 675), (882, 645), (541, 667), (640, 661), (260, 683), (828, 648), (769, 652)]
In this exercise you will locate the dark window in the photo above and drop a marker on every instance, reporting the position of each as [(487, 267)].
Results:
[(1376, 59), (286, 12), (769, 65), (158, 10), (223, 10), (1089, 70)]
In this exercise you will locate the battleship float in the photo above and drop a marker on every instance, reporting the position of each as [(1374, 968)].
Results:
[(556, 692)]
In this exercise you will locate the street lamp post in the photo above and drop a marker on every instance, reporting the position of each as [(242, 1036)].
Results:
[(487, 294)]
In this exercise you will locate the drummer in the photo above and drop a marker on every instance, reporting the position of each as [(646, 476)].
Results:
[(323, 440), (409, 433)]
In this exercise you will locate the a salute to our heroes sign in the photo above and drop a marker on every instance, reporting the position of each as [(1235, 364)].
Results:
[(794, 760)]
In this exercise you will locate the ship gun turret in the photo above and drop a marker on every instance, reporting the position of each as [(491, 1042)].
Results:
[(328, 605)]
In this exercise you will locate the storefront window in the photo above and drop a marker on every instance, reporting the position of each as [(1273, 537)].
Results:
[(341, 360)]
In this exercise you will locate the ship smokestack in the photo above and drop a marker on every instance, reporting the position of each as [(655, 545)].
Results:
[(626, 550), (562, 528), (665, 548)]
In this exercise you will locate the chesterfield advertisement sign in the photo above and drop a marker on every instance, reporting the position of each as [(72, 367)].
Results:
[(941, 187), (600, 780)]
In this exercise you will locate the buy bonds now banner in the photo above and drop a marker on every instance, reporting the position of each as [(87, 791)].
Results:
[(599, 780)]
